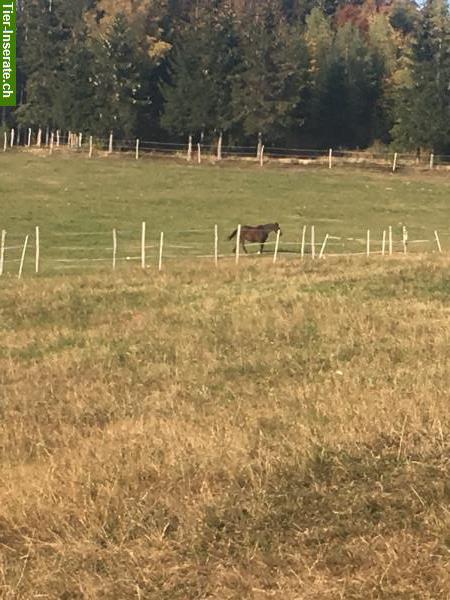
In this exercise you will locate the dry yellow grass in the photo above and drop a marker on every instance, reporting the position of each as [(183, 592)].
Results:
[(262, 432)]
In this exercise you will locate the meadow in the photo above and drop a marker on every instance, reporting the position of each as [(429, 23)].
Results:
[(267, 431), (77, 202)]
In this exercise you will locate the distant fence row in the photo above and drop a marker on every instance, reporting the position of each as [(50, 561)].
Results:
[(54, 252), (90, 146)]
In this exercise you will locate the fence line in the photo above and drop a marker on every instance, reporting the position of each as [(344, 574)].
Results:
[(28, 140), (151, 255)]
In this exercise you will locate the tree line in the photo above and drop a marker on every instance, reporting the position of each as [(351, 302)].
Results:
[(304, 73)]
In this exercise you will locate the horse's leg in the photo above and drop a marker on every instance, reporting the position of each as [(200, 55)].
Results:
[(263, 241), (243, 247)]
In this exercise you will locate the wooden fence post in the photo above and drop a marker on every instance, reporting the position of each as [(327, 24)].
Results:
[(277, 243), (261, 156), (394, 164), (322, 250), (199, 154), (137, 149), (161, 245), (13, 136), (2, 251), (52, 141), (110, 147), (238, 243), (431, 161), (143, 245), (330, 158), (114, 249), (405, 239), (38, 251), (259, 146), (22, 258), (302, 248), (5, 142), (216, 245), (219, 147), (189, 151), (438, 242), (29, 138), (390, 240), (91, 146), (39, 138)]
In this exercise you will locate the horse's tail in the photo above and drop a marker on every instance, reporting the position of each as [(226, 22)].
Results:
[(230, 237)]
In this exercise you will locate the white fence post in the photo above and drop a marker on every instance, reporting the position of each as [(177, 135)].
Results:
[(114, 249), (2, 251), (5, 142), (39, 138), (52, 141), (110, 147), (277, 243), (189, 151), (38, 251), (330, 158), (58, 137), (405, 240), (199, 154), (238, 243), (29, 138), (302, 248), (143, 245), (438, 241), (216, 245), (322, 249), (137, 149), (313, 242), (161, 245), (394, 164), (261, 156), (22, 259), (80, 139), (259, 146), (431, 160), (219, 147), (13, 136), (91, 146)]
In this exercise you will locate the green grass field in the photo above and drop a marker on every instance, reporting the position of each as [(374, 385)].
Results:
[(77, 203), (240, 433)]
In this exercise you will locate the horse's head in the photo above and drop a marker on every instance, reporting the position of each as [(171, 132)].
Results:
[(277, 228)]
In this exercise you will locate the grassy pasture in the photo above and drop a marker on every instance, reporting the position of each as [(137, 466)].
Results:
[(67, 196), (261, 432)]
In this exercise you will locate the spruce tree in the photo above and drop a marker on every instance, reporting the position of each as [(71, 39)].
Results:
[(423, 105), (268, 92), (202, 66)]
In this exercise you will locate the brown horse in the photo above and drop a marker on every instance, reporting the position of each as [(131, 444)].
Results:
[(258, 235)]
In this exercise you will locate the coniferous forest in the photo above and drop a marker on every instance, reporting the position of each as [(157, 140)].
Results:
[(304, 73)]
